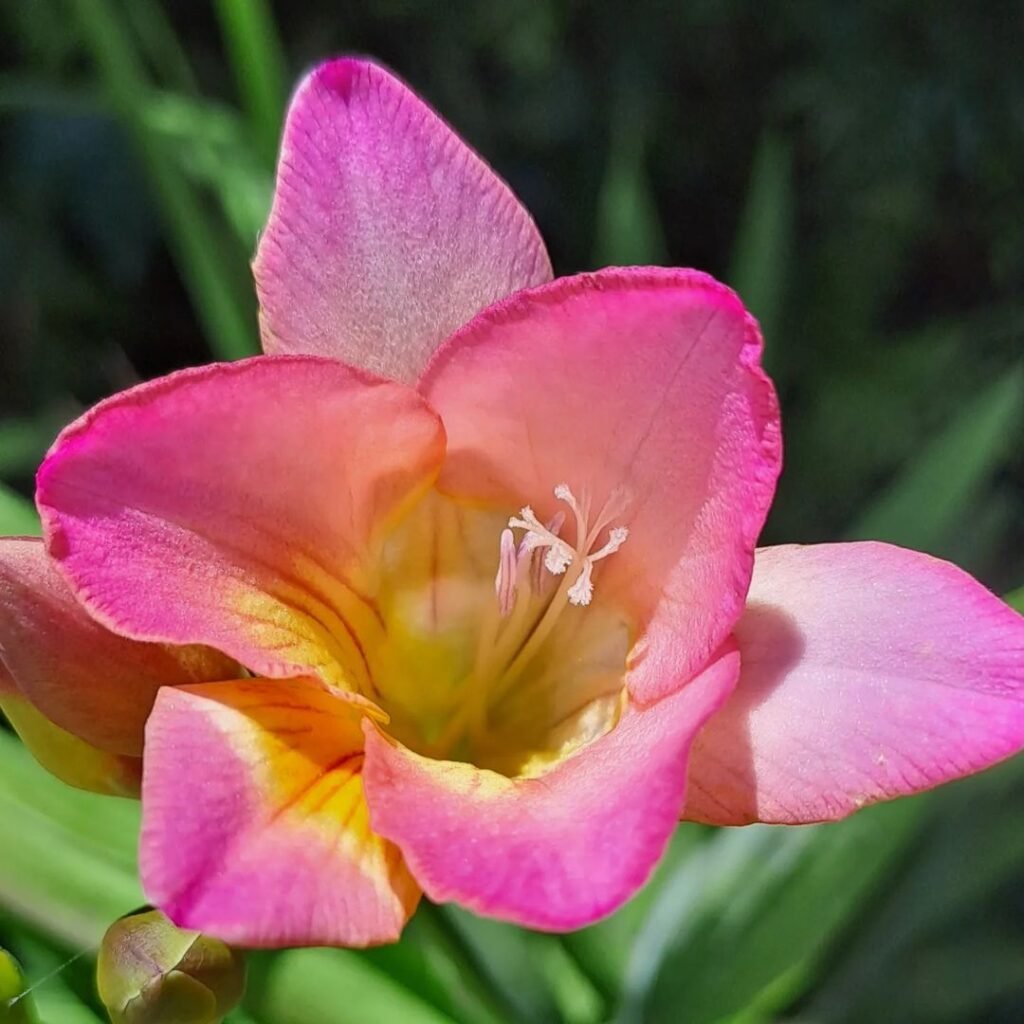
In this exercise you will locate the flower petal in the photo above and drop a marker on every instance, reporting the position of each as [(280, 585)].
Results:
[(69, 758), (233, 506), (255, 828), (387, 233), (558, 851), (84, 678), (645, 381), (868, 672)]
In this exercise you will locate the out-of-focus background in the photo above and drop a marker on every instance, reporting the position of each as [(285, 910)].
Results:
[(855, 170)]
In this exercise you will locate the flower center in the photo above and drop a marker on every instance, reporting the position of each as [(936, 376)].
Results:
[(494, 669)]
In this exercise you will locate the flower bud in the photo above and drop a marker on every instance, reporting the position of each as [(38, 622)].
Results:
[(150, 972), (15, 1006)]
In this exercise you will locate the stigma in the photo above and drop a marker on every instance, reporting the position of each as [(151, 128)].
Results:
[(541, 549)]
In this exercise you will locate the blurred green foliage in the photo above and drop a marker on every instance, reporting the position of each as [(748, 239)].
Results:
[(853, 169)]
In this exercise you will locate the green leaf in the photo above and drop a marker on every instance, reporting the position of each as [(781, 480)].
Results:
[(533, 975), (258, 62), (54, 997), (159, 43), (67, 862), (209, 144), (23, 442), (731, 927), (213, 272), (970, 853), (628, 230), (762, 251), (321, 986), (922, 505), (17, 514)]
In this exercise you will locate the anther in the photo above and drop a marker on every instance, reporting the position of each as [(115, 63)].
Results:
[(582, 590), (505, 583)]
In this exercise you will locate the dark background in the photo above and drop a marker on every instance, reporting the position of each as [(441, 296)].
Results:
[(854, 169)]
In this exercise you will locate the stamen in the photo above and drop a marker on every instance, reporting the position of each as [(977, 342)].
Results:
[(618, 502), (559, 554), (562, 493), (505, 583), (554, 526), (616, 538)]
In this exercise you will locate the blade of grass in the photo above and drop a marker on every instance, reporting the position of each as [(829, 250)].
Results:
[(730, 928), (160, 44), (205, 140), (970, 855), (431, 961), (227, 316), (922, 505), (515, 962), (764, 241), (17, 515), (56, 1002), (257, 60), (332, 986), (23, 442), (210, 145), (628, 228)]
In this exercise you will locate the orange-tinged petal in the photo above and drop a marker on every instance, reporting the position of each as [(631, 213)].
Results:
[(87, 680), (255, 828), (71, 759), (236, 506), (560, 850)]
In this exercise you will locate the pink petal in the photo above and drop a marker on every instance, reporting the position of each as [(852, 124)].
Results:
[(69, 758), (254, 824), (558, 851), (233, 506), (387, 233), (868, 672), (86, 679), (647, 380)]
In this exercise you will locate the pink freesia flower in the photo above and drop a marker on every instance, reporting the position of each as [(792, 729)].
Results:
[(455, 589)]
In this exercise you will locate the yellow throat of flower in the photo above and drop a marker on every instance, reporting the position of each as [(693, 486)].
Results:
[(510, 671)]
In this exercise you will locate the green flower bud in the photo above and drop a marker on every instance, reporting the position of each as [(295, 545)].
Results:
[(15, 1008), (150, 972)]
